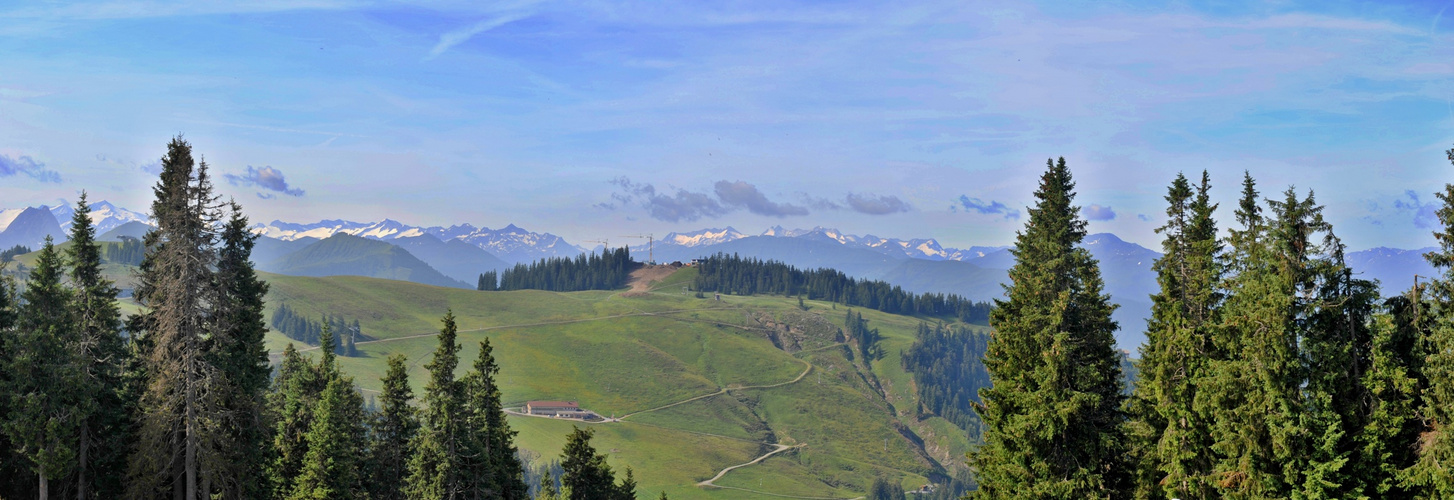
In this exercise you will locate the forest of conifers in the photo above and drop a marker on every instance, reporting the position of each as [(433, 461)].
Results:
[(746, 276), (180, 401), (1270, 371)]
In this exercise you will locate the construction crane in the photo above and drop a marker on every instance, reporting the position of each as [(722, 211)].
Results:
[(650, 246), (604, 245)]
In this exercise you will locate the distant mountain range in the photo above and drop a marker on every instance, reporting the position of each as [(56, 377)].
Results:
[(454, 256)]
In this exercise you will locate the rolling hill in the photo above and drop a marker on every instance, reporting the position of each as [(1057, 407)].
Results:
[(344, 254), (454, 258), (699, 385)]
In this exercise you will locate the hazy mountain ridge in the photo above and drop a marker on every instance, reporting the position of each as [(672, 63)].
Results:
[(458, 253)]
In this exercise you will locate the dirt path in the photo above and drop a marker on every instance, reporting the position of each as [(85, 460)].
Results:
[(779, 449), (807, 367)]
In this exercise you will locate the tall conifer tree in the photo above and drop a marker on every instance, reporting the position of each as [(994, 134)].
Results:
[(105, 429), (336, 437), (435, 470), (13, 479), (1053, 415), (1432, 476), (236, 349), (47, 402), (290, 408), (393, 431), (491, 468), (176, 287), (1171, 438)]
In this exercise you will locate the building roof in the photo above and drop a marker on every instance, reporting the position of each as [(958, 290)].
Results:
[(567, 404)]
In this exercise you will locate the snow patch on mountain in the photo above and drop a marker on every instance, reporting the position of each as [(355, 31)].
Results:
[(104, 216), (702, 237)]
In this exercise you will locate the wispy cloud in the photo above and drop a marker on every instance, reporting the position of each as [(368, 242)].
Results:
[(456, 37), (267, 178), (10, 167)]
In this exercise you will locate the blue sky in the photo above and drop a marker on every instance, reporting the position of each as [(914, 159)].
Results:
[(595, 119)]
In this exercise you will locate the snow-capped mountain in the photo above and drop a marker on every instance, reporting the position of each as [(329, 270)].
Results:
[(104, 216), (8, 215), (29, 227), (917, 248), (510, 243), (702, 237)]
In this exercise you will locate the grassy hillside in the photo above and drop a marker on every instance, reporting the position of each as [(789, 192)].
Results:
[(701, 385), (343, 254)]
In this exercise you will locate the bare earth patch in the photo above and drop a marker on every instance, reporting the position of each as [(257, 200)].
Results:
[(642, 279)]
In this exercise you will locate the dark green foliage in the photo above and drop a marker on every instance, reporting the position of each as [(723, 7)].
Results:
[(45, 396), (13, 480), (1432, 475), (336, 441), (105, 422), (490, 468), (290, 407), (128, 252), (1053, 413), (301, 329), (236, 348), (394, 428), (587, 476), (1169, 439), (176, 286), (489, 282), (437, 467), (607, 270), (857, 330), (881, 489), (739, 276), (9, 254), (948, 368)]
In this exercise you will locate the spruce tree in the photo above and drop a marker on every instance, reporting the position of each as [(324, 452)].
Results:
[(1053, 415), (393, 430), (587, 476), (491, 468), (435, 470), (1432, 476), (1170, 440), (1385, 445), (237, 350), (46, 399), (175, 286), (291, 401), (13, 477), (105, 425), (336, 438)]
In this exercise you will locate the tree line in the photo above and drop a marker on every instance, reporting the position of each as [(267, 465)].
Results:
[(9, 254), (180, 401), (946, 363), (346, 335), (1270, 369), (607, 270), (747, 276)]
